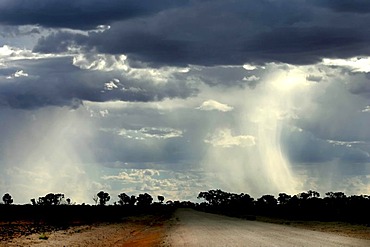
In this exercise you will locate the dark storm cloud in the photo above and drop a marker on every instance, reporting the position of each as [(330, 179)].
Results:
[(230, 32), (57, 82), (78, 14), (354, 6)]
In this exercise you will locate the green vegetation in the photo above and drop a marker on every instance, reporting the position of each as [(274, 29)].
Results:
[(43, 236)]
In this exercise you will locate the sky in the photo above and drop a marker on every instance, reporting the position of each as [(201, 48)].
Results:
[(176, 97)]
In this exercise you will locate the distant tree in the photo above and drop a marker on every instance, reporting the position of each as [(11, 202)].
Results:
[(103, 198), (245, 199), (308, 195), (336, 195), (283, 198), (161, 199), (33, 201), (68, 200), (313, 194), (124, 199), (133, 200), (267, 201), (144, 199), (51, 199), (215, 197), (95, 199), (7, 199), (303, 196)]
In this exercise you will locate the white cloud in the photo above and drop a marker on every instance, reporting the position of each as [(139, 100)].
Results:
[(111, 85), (161, 133), (9, 53), (17, 74), (101, 62), (149, 132), (210, 105), (104, 113), (344, 143), (355, 64), (173, 185), (251, 78), (366, 109), (225, 139), (249, 67)]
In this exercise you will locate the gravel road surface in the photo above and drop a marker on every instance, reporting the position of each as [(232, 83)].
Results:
[(193, 228)]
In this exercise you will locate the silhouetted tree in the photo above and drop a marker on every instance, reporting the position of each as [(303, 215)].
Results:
[(124, 199), (215, 197), (33, 201), (313, 194), (266, 202), (50, 199), (133, 200), (95, 199), (144, 199), (103, 198), (303, 196), (7, 199), (335, 195), (283, 198), (68, 200), (161, 199)]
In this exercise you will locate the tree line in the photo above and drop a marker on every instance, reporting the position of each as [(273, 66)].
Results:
[(308, 205), (101, 199), (334, 206)]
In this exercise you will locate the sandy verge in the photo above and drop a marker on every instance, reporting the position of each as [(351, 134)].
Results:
[(134, 231)]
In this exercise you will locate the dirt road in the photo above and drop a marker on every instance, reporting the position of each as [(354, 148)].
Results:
[(192, 228)]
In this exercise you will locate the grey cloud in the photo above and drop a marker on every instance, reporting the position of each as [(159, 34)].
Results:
[(80, 14), (55, 81), (360, 84), (13, 31), (167, 153), (170, 139), (304, 147), (351, 6), (296, 32), (61, 40), (314, 78)]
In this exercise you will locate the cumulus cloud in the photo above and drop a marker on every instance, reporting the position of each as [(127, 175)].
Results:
[(55, 80), (251, 78), (150, 132), (18, 73), (355, 64), (366, 109), (210, 105), (249, 67), (173, 185), (224, 138)]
